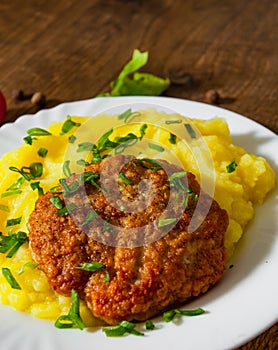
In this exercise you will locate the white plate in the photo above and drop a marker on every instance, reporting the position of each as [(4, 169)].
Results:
[(241, 306)]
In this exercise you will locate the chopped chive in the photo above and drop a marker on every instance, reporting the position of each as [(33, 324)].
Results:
[(121, 329), (30, 264), (150, 325), (166, 222), (10, 278), (72, 139), (13, 222), (92, 266), (82, 162), (17, 184), (91, 215), (170, 315), (66, 168), (66, 210), (56, 201), (10, 193), (107, 277), (190, 131), (11, 243), (42, 152), (73, 318), (29, 140), (143, 131), (36, 186), (4, 208), (125, 115), (104, 138), (38, 132), (68, 125), (231, 167), (56, 189), (177, 175), (178, 121), (154, 164), (125, 179), (85, 146), (156, 147), (172, 139), (29, 172)]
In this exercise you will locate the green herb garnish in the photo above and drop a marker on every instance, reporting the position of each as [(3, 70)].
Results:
[(166, 222), (42, 152), (66, 168), (4, 208), (30, 264), (91, 215), (139, 83), (56, 201), (36, 186), (150, 325), (13, 222), (17, 184), (72, 139), (92, 266), (170, 315), (12, 242), (66, 210), (190, 131), (121, 329), (172, 139), (10, 193), (125, 179), (38, 132), (29, 172), (10, 278), (68, 125), (156, 147), (178, 121), (73, 318), (231, 167)]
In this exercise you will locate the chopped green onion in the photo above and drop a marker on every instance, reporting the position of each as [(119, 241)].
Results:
[(92, 266), (29, 140), (13, 222), (125, 115), (190, 131), (73, 318), (10, 278), (91, 215), (38, 132), (172, 139), (231, 167), (30, 264), (170, 315), (178, 121), (4, 208), (150, 325), (56, 201), (85, 146), (42, 152), (66, 210), (121, 329), (10, 193), (11, 243), (125, 179), (154, 164), (17, 184), (177, 175), (72, 139), (156, 147), (66, 168), (107, 277), (68, 125), (56, 189), (143, 130), (29, 173), (36, 186), (166, 222), (82, 162)]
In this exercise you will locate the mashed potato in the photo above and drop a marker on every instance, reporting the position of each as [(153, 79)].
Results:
[(238, 191)]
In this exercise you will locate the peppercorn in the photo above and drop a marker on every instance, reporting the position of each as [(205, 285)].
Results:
[(212, 96), (38, 99)]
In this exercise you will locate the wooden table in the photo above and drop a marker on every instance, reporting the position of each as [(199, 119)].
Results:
[(72, 50)]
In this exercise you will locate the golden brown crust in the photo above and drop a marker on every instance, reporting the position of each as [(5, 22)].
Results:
[(144, 280)]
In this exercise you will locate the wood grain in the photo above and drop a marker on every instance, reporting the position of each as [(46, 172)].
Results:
[(72, 50)]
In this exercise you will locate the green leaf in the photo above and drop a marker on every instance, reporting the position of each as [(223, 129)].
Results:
[(10, 278), (138, 83)]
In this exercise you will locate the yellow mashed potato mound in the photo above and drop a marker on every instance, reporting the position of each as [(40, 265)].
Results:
[(238, 192)]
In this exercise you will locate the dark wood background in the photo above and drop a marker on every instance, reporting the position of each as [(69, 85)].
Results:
[(71, 50)]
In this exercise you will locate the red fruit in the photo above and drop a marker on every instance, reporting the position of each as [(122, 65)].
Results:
[(3, 107)]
